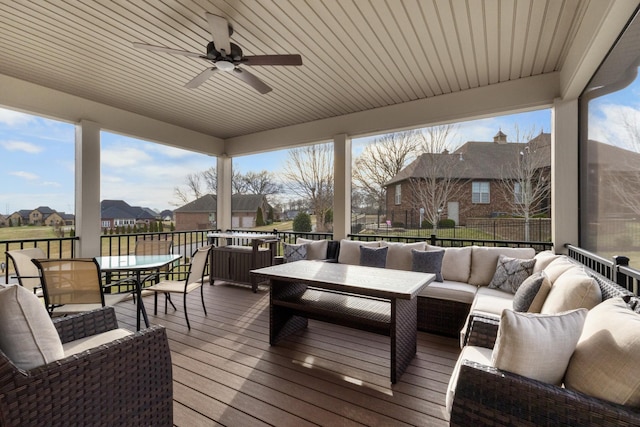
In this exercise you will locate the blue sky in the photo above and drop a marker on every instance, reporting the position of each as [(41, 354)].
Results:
[(37, 161)]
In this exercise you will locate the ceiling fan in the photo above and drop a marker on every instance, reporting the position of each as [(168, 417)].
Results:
[(227, 56)]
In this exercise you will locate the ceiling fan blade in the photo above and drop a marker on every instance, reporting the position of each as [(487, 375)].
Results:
[(272, 60), (251, 80), (166, 50), (201, 78), (219, 28)]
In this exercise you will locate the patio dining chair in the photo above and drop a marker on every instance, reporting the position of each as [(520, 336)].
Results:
[(25, 271), (73, 285), (195, 278), (154, 247)]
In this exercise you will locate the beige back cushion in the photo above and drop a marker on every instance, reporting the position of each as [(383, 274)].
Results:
[(484, 261), (573, 289), (316, 249), (543, 259), (606, 360), (27, 334), (350, 251), (456, 263), (399, 256), (558, 266)]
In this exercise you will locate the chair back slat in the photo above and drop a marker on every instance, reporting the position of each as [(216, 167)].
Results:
[(26, 271)]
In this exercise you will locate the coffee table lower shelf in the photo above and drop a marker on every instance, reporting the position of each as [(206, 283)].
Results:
[(293, 304)]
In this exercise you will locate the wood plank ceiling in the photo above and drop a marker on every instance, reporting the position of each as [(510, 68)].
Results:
[(357, 55)]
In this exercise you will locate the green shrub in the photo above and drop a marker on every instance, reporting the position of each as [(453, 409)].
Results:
[(426, 224), (447, 223), (259, 218), (397, 224), (302, 222)]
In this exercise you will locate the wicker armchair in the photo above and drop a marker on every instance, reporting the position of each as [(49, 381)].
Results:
[(125, 382)]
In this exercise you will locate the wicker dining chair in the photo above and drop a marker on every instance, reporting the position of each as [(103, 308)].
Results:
[(194, 280), (73, 285), (26, 271)]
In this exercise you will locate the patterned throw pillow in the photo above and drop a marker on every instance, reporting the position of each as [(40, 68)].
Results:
[(294, 252), (373, 257), (428, 262), (527, 292), (511, 272)]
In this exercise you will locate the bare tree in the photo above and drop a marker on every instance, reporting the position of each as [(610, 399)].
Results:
[(525, 182), (382, 160), (438, 173), (308, 173), (623, 174), (262, 182), (238, 184), (196, 185)]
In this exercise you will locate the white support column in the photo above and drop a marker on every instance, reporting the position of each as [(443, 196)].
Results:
[(223, 216), (87, 192), (564, 174), (341, 186)]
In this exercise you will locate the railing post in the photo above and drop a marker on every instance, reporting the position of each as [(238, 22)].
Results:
[(433, 240), (620, 278)]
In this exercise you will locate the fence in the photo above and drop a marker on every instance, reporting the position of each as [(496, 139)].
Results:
[(55, 247), (478, 228)]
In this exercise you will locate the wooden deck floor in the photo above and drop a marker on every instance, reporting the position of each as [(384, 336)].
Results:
[(226, 373)]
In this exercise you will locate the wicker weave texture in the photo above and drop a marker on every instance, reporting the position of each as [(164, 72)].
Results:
[(486, 396), (125, 382), (440, 316)]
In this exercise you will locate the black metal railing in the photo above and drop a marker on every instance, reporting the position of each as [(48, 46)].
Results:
[(184, 242), (615, 269), (53, 247)]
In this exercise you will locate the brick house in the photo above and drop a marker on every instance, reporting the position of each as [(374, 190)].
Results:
[(42, 215), (479, 169), (202, 213)]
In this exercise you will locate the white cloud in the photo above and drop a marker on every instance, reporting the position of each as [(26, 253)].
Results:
[(25, 175), (51, 184), (14, 118), (27, 147), (123, 157)]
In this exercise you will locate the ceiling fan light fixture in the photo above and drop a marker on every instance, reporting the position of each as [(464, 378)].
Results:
[(225, 65)]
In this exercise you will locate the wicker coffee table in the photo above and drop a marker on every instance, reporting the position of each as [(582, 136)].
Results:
[(378, 300)]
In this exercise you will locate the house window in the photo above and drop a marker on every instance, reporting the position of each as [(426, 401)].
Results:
[(480, 192), (398, 195)]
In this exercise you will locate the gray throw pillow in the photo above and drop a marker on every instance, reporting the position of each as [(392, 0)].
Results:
[(527, 291), (294, 252), (511, 272), (428, 262), (373, 257)]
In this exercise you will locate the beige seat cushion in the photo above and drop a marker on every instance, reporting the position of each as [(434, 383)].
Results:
[(474, 354), (543, 259), (485, 259), (573, 289), (350, 251), (399, 255), (606, 360), (316, 249), (450, 291), (537, 346), (93, 341), (491, 301), (456, 263), (27, 334)]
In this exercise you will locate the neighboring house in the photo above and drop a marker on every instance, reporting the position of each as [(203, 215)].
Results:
[(42, 215), (479, 169), (4, 221), (20, 217), (202, 213), (166, 215), (118, 213)]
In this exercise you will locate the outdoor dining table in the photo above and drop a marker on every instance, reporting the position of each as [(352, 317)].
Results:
[(136, 264)]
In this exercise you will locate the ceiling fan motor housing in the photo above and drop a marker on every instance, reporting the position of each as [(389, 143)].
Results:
[(214, 55)]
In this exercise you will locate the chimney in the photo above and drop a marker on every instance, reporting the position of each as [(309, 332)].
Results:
[(500, 138)]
